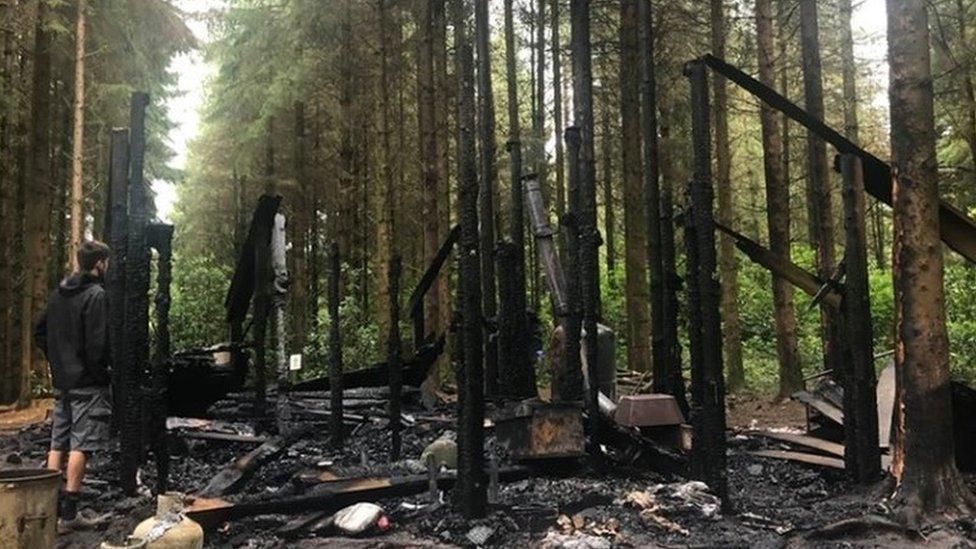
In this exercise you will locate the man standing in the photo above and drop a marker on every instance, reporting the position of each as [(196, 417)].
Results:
[(73, 333)]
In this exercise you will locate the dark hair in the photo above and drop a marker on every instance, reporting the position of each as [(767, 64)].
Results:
[(90, 253)]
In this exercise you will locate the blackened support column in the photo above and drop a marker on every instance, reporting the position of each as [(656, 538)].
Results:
[(123, 383), (862, 457), (137, 273), (708, 460)]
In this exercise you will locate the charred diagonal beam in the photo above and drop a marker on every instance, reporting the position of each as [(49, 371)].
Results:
[(546, 244), (957, 230), (806, 281), (232, 477), (136, 328), (336, 495), (123, 381), (416, 304), (708, 459), (238, 300)]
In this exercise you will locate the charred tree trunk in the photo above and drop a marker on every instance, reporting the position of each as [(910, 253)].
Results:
[(862, 456), (539, 118), (471, 496), (708, 460), (818, 184), (519, 370), (923, 463), (335, 348), (589, 256), (162, 241), (727, 262), (671, 380), (777, 212), (569, 386), (635, 220)]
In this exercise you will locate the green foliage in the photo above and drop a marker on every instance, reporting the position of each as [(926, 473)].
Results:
[(197, 317), (360, 333)]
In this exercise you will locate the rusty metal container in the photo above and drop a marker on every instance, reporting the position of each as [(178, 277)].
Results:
[(539, 430), (654, 410), (28, 508)]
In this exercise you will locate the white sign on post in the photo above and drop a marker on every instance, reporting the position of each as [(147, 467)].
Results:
[(295, 362)]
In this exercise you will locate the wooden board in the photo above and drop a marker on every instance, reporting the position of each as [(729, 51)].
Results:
[(832, 412), (801, 457), (808, 441)]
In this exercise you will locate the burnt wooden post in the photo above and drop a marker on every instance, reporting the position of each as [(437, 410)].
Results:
[(161, 238), (708, 460), (508, 376), (393, 359), (569, 383), (862, 456), (335, 347), (279, 298), (124, 384), (673, 381), (137, 269), (471, 495), (262, 306), (524, 382)]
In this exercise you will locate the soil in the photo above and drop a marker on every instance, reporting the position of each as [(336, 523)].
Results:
[(591, 502)]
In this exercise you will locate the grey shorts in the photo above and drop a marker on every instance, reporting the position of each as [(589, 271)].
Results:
[(82, 420)]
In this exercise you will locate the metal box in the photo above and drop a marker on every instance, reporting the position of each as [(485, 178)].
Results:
[(538, 430), (654, 410)]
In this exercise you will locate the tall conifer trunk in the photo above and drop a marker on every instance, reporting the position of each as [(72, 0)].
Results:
[(818, 183), (777, 210), (78, 139), (635, 222), (728, 264), (37, 214), (557, 111), (923, 464), (385, 222)]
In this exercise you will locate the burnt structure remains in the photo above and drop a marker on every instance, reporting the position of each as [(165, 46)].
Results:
[(151, 382)]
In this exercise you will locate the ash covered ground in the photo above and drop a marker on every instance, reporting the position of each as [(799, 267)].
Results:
[(588, 503)]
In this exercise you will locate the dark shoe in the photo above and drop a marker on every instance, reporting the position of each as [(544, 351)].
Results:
[(68, 505)]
